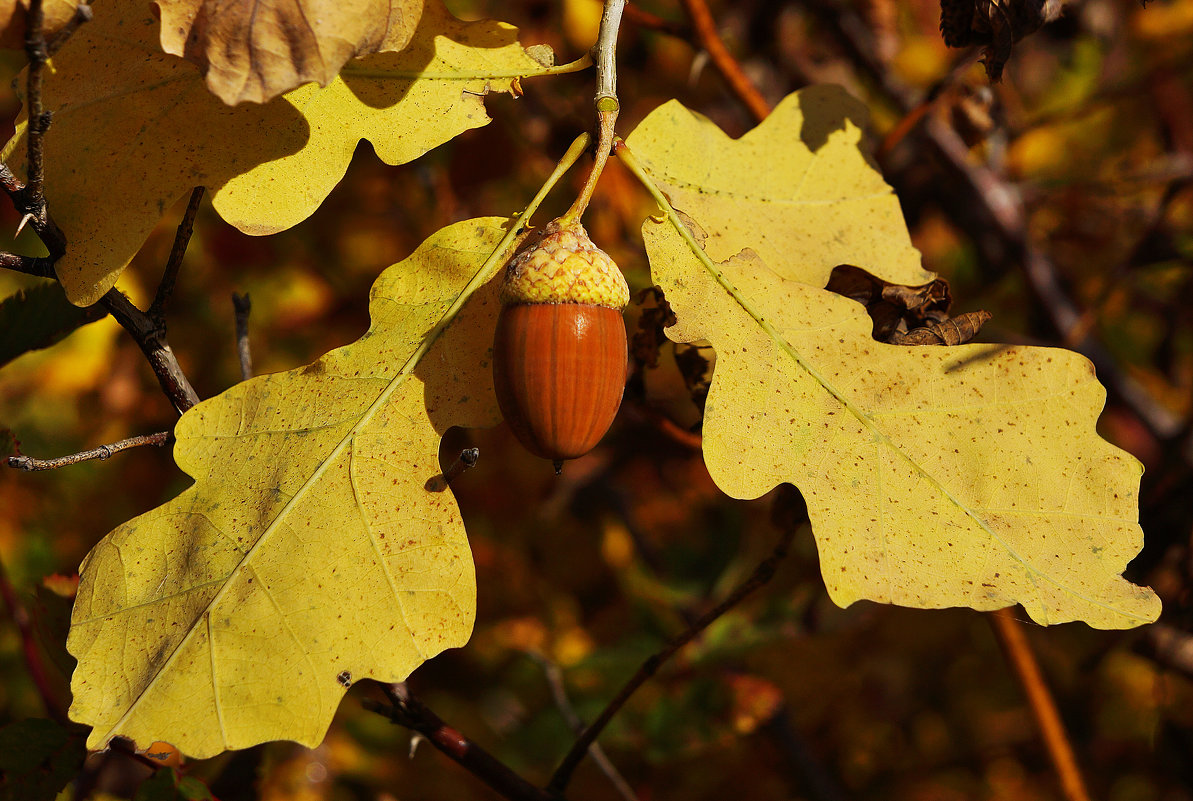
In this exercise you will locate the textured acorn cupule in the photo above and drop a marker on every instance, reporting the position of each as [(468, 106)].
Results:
[(559, 354)]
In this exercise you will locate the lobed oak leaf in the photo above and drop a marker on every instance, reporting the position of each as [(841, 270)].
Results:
[(135, 129), (313, 549), (956, 476), (258, 50), (796, 189), (967, 475)]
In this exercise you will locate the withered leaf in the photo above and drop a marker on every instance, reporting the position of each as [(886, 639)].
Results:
[(995, 25), (952, 331)]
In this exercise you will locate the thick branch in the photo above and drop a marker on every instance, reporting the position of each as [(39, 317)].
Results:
[(101, 453), (406, 710)]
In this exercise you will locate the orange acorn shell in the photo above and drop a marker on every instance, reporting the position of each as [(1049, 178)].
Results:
[(559, 354)]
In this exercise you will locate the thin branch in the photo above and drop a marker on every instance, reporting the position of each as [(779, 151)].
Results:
[(554, 676), (33, 661), (82, 14), (607, 105), (465, 461), (153, 344), (35, 50), (182, 237), (653, 22), (1043, 708), (406, 710), (243, 304), (101, 453), (761, 575), (710, 39), (29, 199), (30, 265)]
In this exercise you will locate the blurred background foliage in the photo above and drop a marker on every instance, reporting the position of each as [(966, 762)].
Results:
[(787, 696)]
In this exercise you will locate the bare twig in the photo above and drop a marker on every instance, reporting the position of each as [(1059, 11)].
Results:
[(761, 575), (467, 459), (30, 265), (1043, 708), (33, 661), (554, 676), (406, 710), (39, 120), (29, 200), (182, 237), (152, 341), (82, 14), (710, 39), (243, 304), (101, 453)]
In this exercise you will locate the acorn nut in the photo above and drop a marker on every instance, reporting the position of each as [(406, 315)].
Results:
[(559, 354)]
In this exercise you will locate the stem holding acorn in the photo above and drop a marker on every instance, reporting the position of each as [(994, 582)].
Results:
[(560, 351)]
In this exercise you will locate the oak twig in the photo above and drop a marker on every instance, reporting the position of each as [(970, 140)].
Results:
[(152, 341), (759, 577), (33, 661), (182, 237), (729, 67), (29, 265), (29, 199), (101, 453), (406, 710), (243, 305), (607, 106), (1018, 652), (554, 676)]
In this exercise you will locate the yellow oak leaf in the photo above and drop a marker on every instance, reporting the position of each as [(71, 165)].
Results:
[(12, 19), (135, 129), (258, 50), (934, 476), (796, 188), (316, 546)]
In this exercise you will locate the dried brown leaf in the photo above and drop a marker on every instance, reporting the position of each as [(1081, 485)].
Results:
[(254, 51)]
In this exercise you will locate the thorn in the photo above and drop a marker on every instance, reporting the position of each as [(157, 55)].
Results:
[(24, 221)]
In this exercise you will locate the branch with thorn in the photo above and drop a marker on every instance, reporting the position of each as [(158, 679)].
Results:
[(28, 197)]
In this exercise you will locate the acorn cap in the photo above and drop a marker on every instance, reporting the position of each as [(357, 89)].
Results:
[(564, 266)]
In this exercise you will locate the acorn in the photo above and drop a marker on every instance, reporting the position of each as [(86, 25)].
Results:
[(559, 354)]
